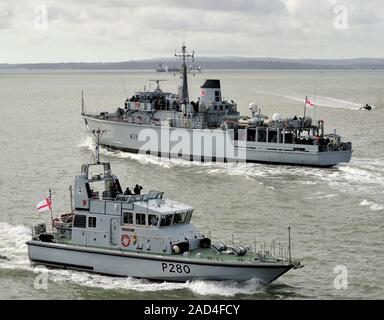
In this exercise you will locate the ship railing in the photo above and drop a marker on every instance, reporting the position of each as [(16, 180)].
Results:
[(342, 146), (271, 248), (63, 234), (151, 195)]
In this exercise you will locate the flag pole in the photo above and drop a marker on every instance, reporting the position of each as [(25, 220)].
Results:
[(305, 107), (50, 207), (70, 193)]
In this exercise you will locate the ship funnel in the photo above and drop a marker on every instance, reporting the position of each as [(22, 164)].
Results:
[(210, 92)]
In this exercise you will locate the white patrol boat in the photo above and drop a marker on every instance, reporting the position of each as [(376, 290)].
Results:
[(211, 129), (143, 236)]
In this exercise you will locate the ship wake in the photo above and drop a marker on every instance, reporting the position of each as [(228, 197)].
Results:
[(321, 101)]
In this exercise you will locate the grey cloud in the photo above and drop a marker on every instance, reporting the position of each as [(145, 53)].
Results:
[(248, 6), (284, 28)]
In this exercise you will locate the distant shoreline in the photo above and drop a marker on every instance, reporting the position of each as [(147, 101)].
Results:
[(151, 71), (212, 64)]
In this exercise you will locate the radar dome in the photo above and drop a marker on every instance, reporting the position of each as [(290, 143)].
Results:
[(276, 117)]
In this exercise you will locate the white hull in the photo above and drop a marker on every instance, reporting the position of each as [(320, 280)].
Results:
[(124, 136), (149, 266)]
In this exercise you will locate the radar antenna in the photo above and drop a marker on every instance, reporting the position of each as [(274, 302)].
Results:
[(157, 84), (97, 133), (184, 55)]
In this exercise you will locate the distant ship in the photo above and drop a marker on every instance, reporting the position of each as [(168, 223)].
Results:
[(143, 236), (176, 127), (163, 68)]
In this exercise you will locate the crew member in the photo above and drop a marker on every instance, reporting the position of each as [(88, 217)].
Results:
[(137, 189)]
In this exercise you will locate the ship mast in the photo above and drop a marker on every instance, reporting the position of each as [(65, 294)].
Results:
[(97, 133), (184, 55)]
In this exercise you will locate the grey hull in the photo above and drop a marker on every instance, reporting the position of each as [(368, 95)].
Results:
[(123, 136), (148, 266)]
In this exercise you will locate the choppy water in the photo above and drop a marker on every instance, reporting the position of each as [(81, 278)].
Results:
[(336, 214)]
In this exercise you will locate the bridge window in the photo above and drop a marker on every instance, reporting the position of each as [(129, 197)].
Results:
[(153, 220), (140, 218), (166, 220), (80, 221), (128, 217), (188, 217), (91, 222), (180, 218), (217, 96)]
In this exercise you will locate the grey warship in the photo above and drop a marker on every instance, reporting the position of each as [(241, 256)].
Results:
[(142, 236), (175, 127)]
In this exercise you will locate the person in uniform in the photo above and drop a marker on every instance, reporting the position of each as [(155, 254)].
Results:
[(137, 189), (127, 192)]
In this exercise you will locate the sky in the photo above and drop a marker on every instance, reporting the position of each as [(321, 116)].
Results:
[(122, 30)]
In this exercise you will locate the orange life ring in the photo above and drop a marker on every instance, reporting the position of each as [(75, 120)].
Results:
[(125, 240), (137, 104)]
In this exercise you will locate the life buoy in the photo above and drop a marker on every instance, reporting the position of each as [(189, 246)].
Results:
[(125, 240), (137, 104)]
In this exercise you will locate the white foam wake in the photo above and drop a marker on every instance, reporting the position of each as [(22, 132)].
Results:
[(13, 250), (372, 205), (322, 101), (212, 288)]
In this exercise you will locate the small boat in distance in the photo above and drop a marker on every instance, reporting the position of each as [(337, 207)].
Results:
[(366, 107), (143, 236)]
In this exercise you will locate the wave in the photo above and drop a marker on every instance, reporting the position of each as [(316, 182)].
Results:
[(13, 250), (204, 288), (372, 205)]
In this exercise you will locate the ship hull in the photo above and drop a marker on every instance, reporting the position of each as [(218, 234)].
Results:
[(125, 137), (149, 266)]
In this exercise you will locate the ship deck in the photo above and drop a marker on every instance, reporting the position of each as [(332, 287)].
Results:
[(201, 254)]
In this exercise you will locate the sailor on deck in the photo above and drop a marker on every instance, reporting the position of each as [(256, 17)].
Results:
[(137, 189)]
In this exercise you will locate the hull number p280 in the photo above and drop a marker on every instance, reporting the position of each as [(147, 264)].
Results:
[(175, 268)]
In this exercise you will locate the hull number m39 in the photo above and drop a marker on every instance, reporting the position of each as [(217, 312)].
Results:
[(134, 136)]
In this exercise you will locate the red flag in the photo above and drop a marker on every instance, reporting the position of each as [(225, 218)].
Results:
[(307, 101), (44, 205)]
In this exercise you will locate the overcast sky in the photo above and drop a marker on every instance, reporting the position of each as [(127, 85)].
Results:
[(121, 30)]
